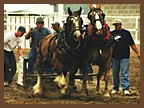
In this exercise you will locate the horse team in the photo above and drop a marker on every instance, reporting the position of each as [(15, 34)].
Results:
[(75, 48)]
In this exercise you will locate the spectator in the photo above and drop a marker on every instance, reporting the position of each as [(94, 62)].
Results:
[(120, 57), (11, 41), (36, 34), (58, 32), (56, 27)]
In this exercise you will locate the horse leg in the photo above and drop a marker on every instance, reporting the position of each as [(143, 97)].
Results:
[(106, 79), (85, 78), (61, 81), (71, 83), (37, 88), (61, 78), (100, 72)]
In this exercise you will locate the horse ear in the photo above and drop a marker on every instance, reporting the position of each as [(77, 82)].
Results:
[(90, 6), (80, 10), (69, 11), (99, 6)]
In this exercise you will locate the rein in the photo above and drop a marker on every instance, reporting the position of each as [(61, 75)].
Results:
[(91, 30)]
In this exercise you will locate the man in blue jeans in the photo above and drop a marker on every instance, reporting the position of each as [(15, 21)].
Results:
[(11, 41), (120, 57), (36, 34)]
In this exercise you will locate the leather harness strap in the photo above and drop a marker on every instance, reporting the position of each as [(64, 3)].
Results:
[(91, 28), (108, 31)]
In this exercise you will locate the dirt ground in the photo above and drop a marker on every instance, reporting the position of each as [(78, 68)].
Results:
[(19, 95)]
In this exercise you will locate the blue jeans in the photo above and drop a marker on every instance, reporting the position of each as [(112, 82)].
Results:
[(9, 66), (32, 59), (120, 70)]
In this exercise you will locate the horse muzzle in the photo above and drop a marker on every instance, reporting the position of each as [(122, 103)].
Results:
[(98, 24), (77, 35), (99, 31)]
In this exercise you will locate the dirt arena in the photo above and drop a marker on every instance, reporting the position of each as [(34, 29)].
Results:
[(19, 95)]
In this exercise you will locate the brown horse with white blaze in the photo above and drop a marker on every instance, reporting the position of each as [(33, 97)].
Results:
[(99, 48)]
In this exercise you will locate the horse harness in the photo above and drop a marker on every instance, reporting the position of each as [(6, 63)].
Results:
[(63, 47), (100, 42)]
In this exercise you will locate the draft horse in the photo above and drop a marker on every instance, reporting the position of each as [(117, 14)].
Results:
[(61, 52), (99, 48)]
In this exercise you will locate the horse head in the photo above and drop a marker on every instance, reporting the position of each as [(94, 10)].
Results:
[(74, 24), (96, 17)]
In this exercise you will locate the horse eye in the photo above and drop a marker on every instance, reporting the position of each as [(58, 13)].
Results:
[(91, 13), (72, 19), (99, 12)]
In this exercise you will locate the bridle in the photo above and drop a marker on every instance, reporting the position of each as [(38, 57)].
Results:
[(74, 23), (96, 17), (93, 13)]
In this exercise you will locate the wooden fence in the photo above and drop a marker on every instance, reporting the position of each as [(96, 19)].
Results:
[(12, 22)]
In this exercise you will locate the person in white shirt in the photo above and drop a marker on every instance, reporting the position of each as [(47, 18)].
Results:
[(11, 41)]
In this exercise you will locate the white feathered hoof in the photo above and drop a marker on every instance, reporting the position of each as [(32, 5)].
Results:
[(63, 91), (107, 95), (84, 92), (37, 90), (98, 91)]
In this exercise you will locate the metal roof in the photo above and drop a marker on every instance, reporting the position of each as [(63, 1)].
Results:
[(29, 8)]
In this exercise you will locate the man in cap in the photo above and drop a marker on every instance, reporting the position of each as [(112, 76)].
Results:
[(56, 27), (36, 34), (120, 57), (11, 41), (58, 32)]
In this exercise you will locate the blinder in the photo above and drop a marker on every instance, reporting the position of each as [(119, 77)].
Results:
[(77, 23), (93, 12)]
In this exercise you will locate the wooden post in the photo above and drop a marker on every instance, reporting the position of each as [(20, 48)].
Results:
[(25, 68), (22, 71)]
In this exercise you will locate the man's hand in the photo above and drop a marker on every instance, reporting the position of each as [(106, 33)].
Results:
[(138, 55), (31, 30), (21, 57), (27, 36)]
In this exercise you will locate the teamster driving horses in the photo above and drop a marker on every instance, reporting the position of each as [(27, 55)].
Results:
[(56, 27)]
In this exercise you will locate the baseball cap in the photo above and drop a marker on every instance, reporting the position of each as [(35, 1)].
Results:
[(55, 23), (117, 21), (21, 28), (39, 19)]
